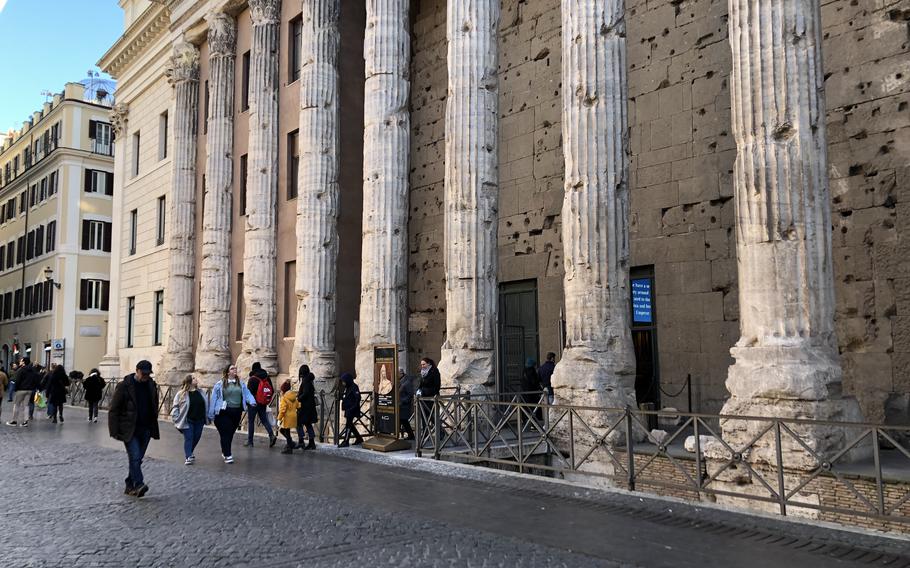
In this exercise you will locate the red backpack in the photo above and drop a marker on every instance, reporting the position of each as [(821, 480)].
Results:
[(264, 392)]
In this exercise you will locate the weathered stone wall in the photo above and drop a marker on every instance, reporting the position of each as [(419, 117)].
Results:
[(682, 160)]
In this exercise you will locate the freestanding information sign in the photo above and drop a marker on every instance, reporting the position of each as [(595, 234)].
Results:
[(385, 401)]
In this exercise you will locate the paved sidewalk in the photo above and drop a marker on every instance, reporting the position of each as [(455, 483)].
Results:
[(324, 509)]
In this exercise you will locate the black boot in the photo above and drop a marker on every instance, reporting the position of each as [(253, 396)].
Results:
[(311, 445)]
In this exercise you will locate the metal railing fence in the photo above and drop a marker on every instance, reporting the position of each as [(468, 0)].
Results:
[(782, 462)]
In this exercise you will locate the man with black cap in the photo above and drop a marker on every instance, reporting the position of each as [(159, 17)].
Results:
[(133, 419)]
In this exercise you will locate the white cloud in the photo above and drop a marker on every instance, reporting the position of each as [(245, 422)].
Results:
[(2, 5)]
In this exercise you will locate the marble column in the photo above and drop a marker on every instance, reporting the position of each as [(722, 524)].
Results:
[(213, 353), (598, 363), (183, 74), (471, 194), (109, 367), (787, 360), (260, 329), (386, 147), (318, 194)]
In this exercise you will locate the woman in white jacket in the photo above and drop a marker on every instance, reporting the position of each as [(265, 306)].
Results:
[(189, 413)]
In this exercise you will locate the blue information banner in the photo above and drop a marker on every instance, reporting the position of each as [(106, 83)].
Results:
[(641, 300)]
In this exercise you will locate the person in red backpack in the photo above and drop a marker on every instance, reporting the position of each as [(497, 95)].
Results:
[(260, 385)]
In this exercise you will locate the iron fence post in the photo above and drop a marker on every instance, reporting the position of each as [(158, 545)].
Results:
[(879, 487), (322, 417), (781, 486), (521, 460), (417, 433), (629, 449), (698, 465), (336, 406), (571, 440), (436, 427)]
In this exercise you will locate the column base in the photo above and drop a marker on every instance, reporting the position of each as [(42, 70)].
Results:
[(470, 369), (173, 368), (323, 365), (210, 366), (789, 382), (267, 359), (109, 367)]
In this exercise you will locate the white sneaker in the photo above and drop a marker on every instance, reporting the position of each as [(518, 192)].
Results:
[(188, 462), (95, 419), (191, 459), (229, 459), (89, 419)]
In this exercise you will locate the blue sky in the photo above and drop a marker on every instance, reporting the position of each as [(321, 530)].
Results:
[(46, 43)]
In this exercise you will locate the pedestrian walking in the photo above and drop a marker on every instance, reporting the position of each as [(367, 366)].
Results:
[(4, 384), (57, 388), (229, 399), (189, 413), (12, 382), (133, 419), (531, 388), (260, 385), (44, 387), (406, 392), (306, 414), (545, 373), (287, 415), (93, 386), (26, 385), (350, 405)]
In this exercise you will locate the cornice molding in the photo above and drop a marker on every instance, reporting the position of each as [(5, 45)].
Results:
[(135, 40)]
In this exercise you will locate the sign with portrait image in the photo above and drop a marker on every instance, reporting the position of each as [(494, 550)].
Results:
[(385, 389)]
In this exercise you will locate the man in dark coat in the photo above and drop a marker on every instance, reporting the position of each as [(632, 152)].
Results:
[(93, 385), (545, 372), (57, 385), (133, 419), (27, 381), (306, 414), (430, 383), (350, 405), (406, 392)]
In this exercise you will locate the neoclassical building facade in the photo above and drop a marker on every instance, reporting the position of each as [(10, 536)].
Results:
[(690, 208)]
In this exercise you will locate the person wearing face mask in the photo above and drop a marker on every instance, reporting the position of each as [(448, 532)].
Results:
[(229, 399)]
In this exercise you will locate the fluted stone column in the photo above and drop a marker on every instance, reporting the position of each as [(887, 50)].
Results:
[(109, 366), (471, 194), (213, 351), (317, 198), (260, 330), (598, 364), (384, 256), (178, 299), (786, 358)]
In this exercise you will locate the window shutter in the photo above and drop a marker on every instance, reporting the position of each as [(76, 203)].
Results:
[(83, 294), (105, 294), (86, 234), (92, 128), (50, 295), (88, 179), (109, 183), (106, 241)]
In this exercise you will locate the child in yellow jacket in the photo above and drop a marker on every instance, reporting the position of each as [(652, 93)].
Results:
[(287, 415)]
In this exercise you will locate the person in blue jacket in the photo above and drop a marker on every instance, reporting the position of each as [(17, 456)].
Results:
[(229, 399)]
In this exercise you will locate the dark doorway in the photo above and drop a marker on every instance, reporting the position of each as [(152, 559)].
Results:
[(518, 331), (644, 337)]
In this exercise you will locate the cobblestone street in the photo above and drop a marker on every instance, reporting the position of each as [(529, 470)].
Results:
[(63, 505)]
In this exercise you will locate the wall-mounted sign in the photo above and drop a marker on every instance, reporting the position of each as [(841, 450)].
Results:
[(642, 311), (58, 344)]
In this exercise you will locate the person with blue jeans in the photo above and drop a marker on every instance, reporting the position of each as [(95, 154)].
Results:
[(263, 395), (189, 412), (230, 397), (133, 419)]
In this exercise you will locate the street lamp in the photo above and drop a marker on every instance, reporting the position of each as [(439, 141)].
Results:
[(49, 276)]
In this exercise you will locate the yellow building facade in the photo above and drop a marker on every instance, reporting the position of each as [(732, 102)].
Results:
[(56, 190)]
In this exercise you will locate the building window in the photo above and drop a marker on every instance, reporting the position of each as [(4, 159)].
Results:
[(295, 35), (33, 196), (30, 245), (135, 169), (96, 235), (39, 240), (10, 254), (52, 236), (48, 295), (17, 303), (162, 213), (94, 294), (102, 141), (22, 202), (42, 190), (162, 135), (130, 317), (293, 163), (245, 83), (20, 250), (243, 175), (134, 225), (98, 182), (290, 298), (52, 184), (159, 317), (241, 312)]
